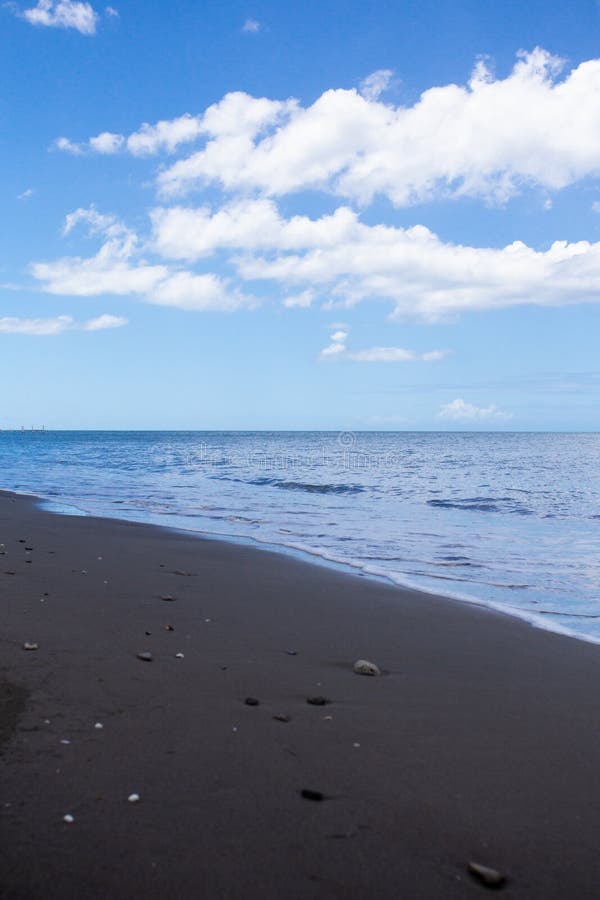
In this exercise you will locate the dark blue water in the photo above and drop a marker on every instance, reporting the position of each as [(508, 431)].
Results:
[(510, 520)]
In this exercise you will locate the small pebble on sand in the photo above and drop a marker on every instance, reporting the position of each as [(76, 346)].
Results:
[(364, 667), (69, 819), (251, 701), (98, 725), (489, 877), (179, 656), (30, 645), (308, 794), (318, 701), (134, 798), (146, 656)]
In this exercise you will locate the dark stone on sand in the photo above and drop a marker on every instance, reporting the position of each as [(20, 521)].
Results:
[(308, 794), (146, 656), (169, 628), (490, 878), (251, 701), (318, 701), (292, 652), (167, 598), (281, 717)]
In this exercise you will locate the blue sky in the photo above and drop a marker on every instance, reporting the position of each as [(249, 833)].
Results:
[(318, 215)]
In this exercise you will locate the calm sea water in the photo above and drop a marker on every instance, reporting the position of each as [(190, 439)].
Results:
[(509, 520)]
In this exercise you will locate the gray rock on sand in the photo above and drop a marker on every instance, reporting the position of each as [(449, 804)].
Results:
[(364, 667), (30, 645), (146, 656), (489, 877)]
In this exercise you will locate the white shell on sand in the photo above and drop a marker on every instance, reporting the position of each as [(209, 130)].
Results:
[(134, 798), (69, 818), (30, 645), (364, 667)]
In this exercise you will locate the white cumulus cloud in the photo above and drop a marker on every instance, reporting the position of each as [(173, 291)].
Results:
[(107, 142), (198, 293), (488, 138), (337, 349), (63, 14), (118, 268), (236, 120), (336, 258), (460, 411)]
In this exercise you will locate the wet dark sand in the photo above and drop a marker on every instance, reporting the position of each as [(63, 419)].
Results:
[(480, 741)]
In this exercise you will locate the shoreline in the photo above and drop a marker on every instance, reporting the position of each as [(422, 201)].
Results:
[(535, 620), (479, 742)]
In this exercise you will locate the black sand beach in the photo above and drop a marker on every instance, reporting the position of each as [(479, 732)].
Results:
[(479, 742)]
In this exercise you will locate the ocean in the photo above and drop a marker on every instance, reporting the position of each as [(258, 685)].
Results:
[(509, 520)]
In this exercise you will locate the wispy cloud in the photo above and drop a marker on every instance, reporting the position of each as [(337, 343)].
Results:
[(460, 411), (58, 325), (337, 349), (26, 194), (376, 83), (299, 301), (63, 14), (251, 26), (67, 146), (103, 322)]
